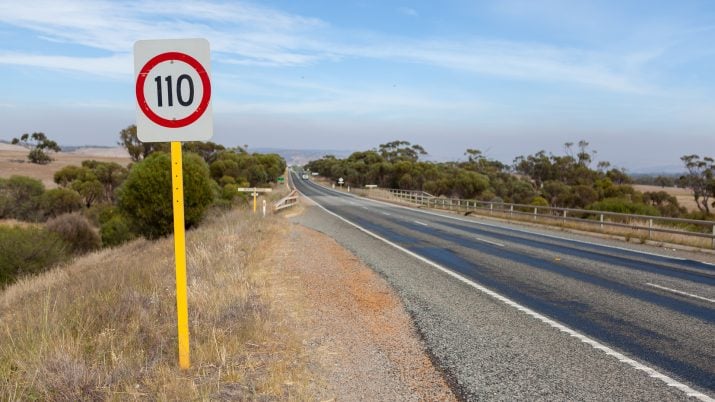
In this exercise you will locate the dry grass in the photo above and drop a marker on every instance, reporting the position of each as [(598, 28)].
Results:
[(16, 223), (627, 234), (104, 327), (684, 196), (15, 163)]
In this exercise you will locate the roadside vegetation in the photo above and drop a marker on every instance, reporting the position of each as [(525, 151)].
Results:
[(103, 327), (104, 204), (568, 180)]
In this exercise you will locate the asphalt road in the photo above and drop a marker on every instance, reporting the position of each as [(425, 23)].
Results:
[(533, 315)]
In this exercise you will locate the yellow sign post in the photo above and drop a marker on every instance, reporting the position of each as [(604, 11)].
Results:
[(160, 119), (254, 192), (182, 304)]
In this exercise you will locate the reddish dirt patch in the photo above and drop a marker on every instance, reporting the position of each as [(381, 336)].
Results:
[(357, 331)]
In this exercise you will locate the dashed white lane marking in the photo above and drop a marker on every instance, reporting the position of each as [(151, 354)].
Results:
[(386, 213), (420, 223), (364, 208), (680, 292), (583, 338), (490, 242)]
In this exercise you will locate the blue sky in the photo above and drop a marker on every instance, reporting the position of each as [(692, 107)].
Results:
[(509, 77)]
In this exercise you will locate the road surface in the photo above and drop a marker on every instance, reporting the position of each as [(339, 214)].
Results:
[(648, 317)]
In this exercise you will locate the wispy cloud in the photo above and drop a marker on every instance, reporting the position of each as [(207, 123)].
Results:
[(246, 34), (309, 97), (251, 32), (408, 11), (524, 61), (113, 66)]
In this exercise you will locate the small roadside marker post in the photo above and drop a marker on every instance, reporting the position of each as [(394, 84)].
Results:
[(264, 208), (254, 192), (168, 70)]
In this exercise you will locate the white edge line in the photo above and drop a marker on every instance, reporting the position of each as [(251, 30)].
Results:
[(490, 242), (508, 228), (583, 338), (680, 292), (420, 223)]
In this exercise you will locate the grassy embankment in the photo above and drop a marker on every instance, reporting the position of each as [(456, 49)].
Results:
[(104, 325)]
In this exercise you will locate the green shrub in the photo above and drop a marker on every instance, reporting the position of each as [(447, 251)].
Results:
[(145, 198), (115, 231), (624, 206), (20, 198), (229, 192), (76, 231), (60, 201), (100, 213), (28, 250), (222, 204), (539, 202)]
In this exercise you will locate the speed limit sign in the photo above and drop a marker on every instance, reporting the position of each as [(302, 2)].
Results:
[(173, 90)]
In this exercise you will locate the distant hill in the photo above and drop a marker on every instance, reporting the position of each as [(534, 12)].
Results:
[(664, 170), (302, 156), (97, 151)]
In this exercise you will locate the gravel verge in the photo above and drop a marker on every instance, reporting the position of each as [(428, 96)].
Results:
[(359, 340)]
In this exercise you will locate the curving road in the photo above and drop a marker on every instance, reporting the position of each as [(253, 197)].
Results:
[(649, 314)]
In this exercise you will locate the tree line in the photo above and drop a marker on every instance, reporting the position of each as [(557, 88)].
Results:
[(569, 180)]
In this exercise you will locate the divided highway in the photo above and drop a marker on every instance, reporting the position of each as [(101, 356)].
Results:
[(650, 314)]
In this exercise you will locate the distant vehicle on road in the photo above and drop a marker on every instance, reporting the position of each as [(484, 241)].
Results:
[(305, 176)]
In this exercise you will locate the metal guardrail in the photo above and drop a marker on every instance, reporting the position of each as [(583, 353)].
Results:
[(645, 223), (286, 202)]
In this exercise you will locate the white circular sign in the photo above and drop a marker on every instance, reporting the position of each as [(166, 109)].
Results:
[(173, 90)]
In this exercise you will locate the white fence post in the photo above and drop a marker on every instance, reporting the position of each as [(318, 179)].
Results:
[(535, 212), (601, 219), (650, 228)]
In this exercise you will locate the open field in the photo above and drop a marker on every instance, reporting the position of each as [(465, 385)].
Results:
[(684, 196), (13, 161)]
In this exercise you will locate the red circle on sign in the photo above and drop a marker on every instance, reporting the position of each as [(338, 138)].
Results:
[(204, 81)]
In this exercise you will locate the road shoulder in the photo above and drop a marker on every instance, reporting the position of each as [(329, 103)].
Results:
[(358, 337)]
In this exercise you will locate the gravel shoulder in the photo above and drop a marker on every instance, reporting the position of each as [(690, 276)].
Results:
[(359, 340)]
